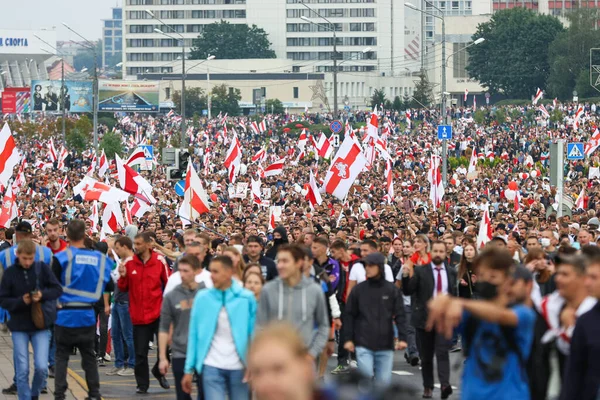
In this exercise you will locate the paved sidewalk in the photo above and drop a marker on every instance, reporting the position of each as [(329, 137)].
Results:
[(75, 392)]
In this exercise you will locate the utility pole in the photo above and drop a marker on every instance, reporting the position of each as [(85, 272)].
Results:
[(183, 73)]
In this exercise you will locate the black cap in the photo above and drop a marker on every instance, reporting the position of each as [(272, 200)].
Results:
[(522, 273), (23, 227), (375, 259)]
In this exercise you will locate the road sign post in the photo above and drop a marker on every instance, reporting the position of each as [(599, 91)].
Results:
[(444, 132), (575, 151)]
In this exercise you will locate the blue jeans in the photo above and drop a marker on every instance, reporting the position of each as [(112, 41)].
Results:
[(375, 363), (220, 384), (40, 341), (122, 330)]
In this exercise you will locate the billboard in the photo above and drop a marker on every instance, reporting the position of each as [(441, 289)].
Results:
[(45, 96), (25, 42), (138, 96), (16, 100)]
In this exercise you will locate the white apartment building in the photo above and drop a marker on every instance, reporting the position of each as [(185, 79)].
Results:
[(378, 45)]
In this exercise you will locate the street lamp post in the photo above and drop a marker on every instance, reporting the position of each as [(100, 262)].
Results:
[(62, 88), (208, 95), (91, 46), (331, 28)]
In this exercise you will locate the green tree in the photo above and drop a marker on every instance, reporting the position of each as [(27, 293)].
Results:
[(111, 144), (228, 41), (513, 60), (78, 140), (84, 125), (225, 100), (397, 105), (378, 98), (569, 55), (274, 106), (195, 101), (423, 93)]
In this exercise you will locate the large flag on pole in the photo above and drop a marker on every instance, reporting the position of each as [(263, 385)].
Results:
[(195, 199), (9, 155), (345, 168)]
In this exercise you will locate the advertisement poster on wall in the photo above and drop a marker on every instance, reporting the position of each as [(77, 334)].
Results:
[(46, 95), (132, 96), (15, 100)]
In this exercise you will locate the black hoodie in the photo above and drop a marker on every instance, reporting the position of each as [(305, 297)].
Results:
[(272, 252)]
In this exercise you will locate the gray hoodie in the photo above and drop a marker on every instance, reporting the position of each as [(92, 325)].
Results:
[(302, 305)]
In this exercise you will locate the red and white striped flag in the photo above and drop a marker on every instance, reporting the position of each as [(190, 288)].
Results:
[(138, 157), (580, 203), (345, 168), (578, 116), (538, 96), (63, 187), (260, 156), (436, 192), (313, 195), (233, 158), (94, 216), (544, 112), (485, 229), (466, 94), (323, 146), (9, 155), (195, 199), (276, 168), (9, 210), (255, 189), (389, 176), (103, 165)]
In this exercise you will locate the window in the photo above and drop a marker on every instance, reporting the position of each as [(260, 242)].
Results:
[(108, 32), (296, 92), (118, 24), (168, 92), (460, 60), (108, 24), (455, 5), (117, 13), (443, 5), (355, 27), (467, 5), (108, 41)]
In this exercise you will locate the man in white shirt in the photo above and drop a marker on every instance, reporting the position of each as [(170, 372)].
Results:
[(358, 274), (203, 275)]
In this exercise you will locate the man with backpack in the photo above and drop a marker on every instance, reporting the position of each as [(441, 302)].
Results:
[(497, 336)]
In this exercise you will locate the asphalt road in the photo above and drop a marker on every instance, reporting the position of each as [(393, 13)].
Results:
[(118, 387)]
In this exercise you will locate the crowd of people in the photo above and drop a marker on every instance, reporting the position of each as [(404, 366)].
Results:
[(254, 295)]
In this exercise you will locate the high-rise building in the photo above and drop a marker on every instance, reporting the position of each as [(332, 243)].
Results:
[(377, 26), (112, 39)]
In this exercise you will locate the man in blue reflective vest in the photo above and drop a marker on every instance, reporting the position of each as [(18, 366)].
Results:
[(83, 274), (23, 231)]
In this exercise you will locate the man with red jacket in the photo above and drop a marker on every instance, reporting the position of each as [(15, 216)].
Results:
[(144, 277)]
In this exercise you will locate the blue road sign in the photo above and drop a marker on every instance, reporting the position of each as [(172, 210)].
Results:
[(148, 151), (575, 151), (444, 132), (180, 188), (336, 126), (346, 108)]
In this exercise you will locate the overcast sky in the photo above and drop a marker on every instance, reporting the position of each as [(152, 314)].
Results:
[(82, 15)]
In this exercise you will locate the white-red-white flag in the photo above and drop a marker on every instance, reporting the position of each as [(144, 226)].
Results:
[(139, 208), (52, 154), (138, 157), (473, 162), (538, 96), (580, 203), (313, 195), (485, 229), (62, 158), (128, 217), (9, 210), (260, 156), (132, 182), (466, 94), (62, 188), (103, 164), (94, 217), (578, 116), (9, 155), (373, 125), (345, 168), (195, 199), (544, 112), (112, 219), (233, 158), (90, 189), (408, 119), (255, 189), (275, 169), (323, 146), (436, 192)]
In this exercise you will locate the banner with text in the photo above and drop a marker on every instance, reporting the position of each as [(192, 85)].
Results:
[(16, 100), (138, 96), (46, 96)]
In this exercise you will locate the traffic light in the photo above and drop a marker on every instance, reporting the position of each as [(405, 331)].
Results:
[(178, 172)]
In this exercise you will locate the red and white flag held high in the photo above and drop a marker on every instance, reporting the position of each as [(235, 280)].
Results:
[(62, 158), (593, 143), (538, 96), (389, 176), (578, 116), (128, 217), (9, 155), (262, 127), (544, 112), (554, 103), (63, 187), (485, 229), (132, 182), (94, 217), (52, 155), (473, 162), (474, 102), (436, 192), (272, 223), (112, 219), (138, 157), (276, 168), (195, 199), (103, 164), (324, 146), (90, 189), (373, 125), (233, 159), (312, 195), (260, 156), (9, 210), (139, 208), (466, 94), (580, 203), (517, 201), (256, 193), (408, 119), (345, 168)]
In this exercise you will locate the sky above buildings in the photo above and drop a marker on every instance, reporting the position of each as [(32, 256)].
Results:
[(84, 16)]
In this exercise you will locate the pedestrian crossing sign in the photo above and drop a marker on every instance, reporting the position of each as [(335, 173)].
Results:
[(575, 151)]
